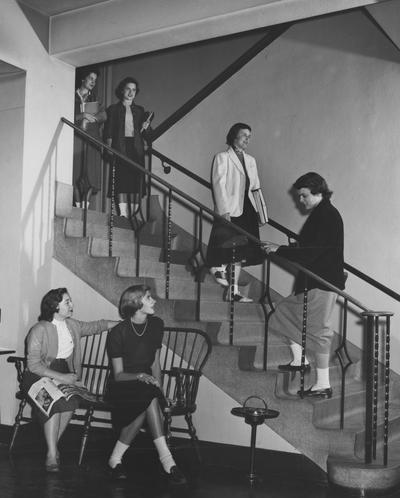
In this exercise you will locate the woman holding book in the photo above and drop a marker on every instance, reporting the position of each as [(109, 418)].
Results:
[(135, 391), (54, 351), (235, 181), (125, 130), (89, 115)]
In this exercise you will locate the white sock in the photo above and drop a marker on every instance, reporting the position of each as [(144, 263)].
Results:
[(322, 379), (78, 204), (236, 289), (217, 268), (296, 352), (123, 209), (164, 454), (117, 454)]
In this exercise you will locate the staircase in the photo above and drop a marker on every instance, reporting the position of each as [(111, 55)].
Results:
[(310, 426)]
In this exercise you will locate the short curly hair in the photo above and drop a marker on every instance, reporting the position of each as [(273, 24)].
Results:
[(315, 182), (131, 300), (234, 130), (122, 84), (50, 303)]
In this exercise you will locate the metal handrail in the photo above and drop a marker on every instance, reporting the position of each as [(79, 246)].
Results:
[(209, 211), (372, 317), (289, 233)]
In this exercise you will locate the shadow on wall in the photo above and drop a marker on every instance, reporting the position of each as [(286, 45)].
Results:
[(344, 35)]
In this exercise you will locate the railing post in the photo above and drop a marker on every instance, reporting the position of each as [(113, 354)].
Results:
[(148, 165), (267, 315), (369, 386), (169, 244), (232, 296), (387, 386), (304, 337), (111, 225), (343, 347)]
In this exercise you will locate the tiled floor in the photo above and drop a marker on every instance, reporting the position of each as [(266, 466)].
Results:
[(219, 476)]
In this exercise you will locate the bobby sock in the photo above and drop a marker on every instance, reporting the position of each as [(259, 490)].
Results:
[(296, 352), (322, 379), (217, 268), (164, 454), (117, 454), (123, 209)]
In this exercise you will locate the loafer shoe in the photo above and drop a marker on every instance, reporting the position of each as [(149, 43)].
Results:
[(317, 393), (118, 473), (220, 277), (238, 298), (288, 367), (176, 477)]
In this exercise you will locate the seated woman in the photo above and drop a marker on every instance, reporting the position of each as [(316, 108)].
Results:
[(135, 389), (54, 351)]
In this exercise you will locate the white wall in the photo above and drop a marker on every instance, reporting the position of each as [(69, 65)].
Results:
[(324, 97), (212, 418), (27, 204)]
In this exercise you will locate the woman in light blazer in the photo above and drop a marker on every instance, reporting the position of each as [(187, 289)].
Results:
[(234, 176)]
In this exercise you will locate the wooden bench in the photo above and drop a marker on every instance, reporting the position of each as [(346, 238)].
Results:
[(185, 352)]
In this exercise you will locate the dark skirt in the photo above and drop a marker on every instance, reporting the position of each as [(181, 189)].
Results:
[(62, 405), (128, 180), (128, 399), (92, 156), (248, 254)]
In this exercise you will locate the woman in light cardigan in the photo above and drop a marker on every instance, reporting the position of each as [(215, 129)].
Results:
[(54, 351)]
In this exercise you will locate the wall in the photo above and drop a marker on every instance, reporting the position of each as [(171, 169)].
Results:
[(323, 97), (27, 199), (212, 418), (169, 78)]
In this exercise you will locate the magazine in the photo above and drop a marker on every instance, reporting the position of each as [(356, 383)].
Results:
[(261, 206), (45, 392)]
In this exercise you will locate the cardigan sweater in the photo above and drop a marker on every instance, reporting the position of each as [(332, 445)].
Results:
[(319, 249), (42, 344)]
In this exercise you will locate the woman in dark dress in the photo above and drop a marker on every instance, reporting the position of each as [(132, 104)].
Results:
[(124, 130), (234, 177), (135, 391), (89, 115)]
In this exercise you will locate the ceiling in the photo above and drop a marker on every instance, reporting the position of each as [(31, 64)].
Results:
[(53, 7), (82, 32)]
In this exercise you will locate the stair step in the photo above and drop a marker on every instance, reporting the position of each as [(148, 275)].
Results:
[(182, 289), (99, 248), (352, 473), (247, 333), (218, 310)]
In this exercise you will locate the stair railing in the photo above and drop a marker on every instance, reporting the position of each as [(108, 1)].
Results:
[(372, 320)]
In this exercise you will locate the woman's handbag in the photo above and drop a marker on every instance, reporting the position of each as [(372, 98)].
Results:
[(261, 206)]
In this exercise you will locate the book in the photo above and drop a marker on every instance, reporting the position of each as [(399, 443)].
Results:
[(261, 206), (91, 107), (45, 392)]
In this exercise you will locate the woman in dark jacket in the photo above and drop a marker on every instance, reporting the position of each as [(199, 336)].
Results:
[(320, 249), (89, 115), (124, 130)]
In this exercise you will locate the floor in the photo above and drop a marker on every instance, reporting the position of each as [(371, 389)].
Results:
[(221, 475)]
